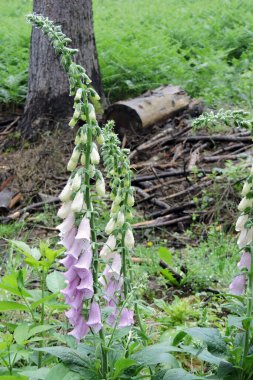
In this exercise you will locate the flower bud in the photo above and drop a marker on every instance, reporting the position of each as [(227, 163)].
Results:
[(75, 155), (83, 159), (115, 208), (72, 122), (245, 203), (94, 156), (110, 226), (246, 188), (83, 137), (92, 114), (77, 203), (78, 94), (100, 139), (129, 239), (92, 171), (120, 219), (66, 193), (71, 165), (130, 200), (64, 210), (76, 183), (76, 115), (100, 187), (117, 199)]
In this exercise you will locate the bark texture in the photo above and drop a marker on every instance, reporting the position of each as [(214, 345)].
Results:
[(48, 103)]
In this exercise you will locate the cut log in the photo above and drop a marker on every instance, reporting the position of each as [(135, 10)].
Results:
[(135, 115)]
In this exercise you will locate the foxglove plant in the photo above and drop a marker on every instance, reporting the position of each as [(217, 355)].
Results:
[(243, 282), (78, 230)]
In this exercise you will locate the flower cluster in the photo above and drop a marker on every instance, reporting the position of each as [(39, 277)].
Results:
[(244, 226)]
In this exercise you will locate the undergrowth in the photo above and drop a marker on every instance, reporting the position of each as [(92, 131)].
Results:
[(205, 47)]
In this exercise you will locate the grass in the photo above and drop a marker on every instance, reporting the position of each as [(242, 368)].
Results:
[(205, 47)]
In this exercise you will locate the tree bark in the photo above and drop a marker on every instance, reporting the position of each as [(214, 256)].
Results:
[(48, 104)]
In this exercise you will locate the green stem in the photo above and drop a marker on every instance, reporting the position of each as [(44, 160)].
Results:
[(40, 355), (249, 309)]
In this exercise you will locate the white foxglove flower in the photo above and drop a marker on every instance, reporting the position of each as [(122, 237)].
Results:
[(94, 156), (108, 247), (120, 219), (76, 182), (66, 193), (100, 139), (100, 187), (245, 203), (92, 171), (130, 200), (245, 237), (117, 199), (72, 164), (72, 122), (77, 203), (83, 137), (78, 94), (241, 222), (110, 227), (129, 239), (246, 188), (75, 155), (115, 208), (92, 114), (64, 210)]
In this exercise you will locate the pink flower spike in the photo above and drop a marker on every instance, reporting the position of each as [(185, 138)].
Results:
[(238, 285), (84, 229), (82, 267), (245, 261), (66, 226), (86, 285), (94, 321), (80, 330)]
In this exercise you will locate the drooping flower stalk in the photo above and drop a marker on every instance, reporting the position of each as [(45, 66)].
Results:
[(243, 282)]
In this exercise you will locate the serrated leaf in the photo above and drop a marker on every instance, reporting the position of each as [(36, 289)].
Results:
[(165, 255), (55, 282), (167, 274), (179, 374), (38, 330)]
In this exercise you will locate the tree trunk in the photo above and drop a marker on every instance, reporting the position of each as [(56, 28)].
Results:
[(48, 104)]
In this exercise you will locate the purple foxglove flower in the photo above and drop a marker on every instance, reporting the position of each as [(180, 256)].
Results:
[(68, 261), (70, 275), (82, 267), (84, 229), (68, 239), (126, 318), (115, 267), (238, 285), (113, 287), (73, 315), (67, 225), (70, 289), (76, 248), (86, 285), (81, 329), (245, 261), (76, 300), (94, 321)]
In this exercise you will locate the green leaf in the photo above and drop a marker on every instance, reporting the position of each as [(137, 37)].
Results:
[(155, 354), (21, 246), (11, 305), (210, 336), (57, 372), (36, 374), (35, 253), (167, 274), (55, 282), (39, 329), (203, 354), (165, 255), (14, 377), (67, 355), (179, 374), (122, 364), (21, 333)]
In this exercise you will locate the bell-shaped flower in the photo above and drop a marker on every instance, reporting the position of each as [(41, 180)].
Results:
[(100, 139), (68, 238), (70, 290), (81, 329), (76, 182), (110, 226), (241, 222), (130, 200), (84, 229), (94, 321), (108, 247), (73, 315), (67, 225), (100, 187), (246, 188), (245, 238), (94, 156), (129, 239), (115, 267), (77, 203), (72, 164), (126, 318), (78, 95), (238, 285), (113, 289), (77, 247), (82, 267), (72, 122), (120, 219), (245, 261), (86, 286), (77, 300), (64, 210), (92, 114), (66, 193), (83, 159), (68, 261), (245, 203)]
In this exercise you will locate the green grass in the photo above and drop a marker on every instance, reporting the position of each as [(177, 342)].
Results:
[(204, 46)]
